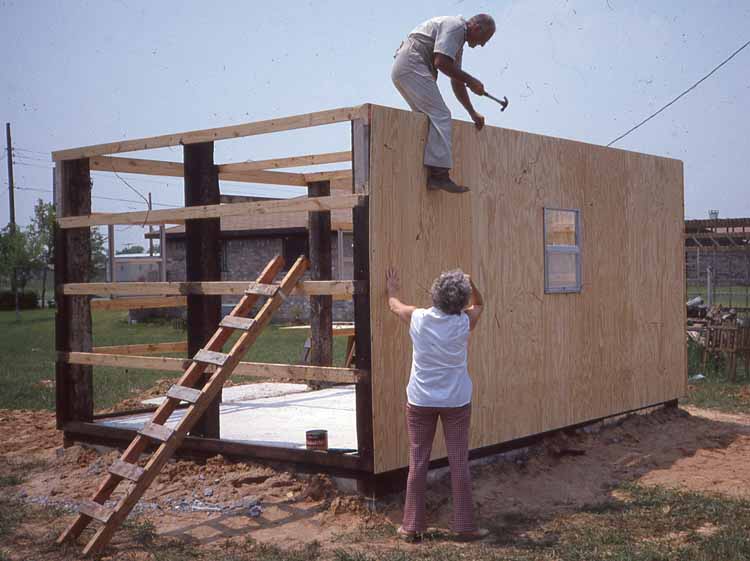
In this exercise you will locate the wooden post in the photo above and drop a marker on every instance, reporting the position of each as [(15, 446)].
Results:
[(111, 246), (202, 247), (361, 225), (74, 389), (321, 307)]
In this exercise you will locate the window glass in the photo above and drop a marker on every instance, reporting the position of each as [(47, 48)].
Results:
[(560, 227)]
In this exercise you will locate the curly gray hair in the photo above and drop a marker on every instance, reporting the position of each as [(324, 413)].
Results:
[(451, 292)]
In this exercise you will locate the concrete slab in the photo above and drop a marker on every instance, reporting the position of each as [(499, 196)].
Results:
[(247, 392), (280, 420)]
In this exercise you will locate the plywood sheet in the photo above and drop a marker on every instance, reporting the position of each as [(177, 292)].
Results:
[(538, 361)]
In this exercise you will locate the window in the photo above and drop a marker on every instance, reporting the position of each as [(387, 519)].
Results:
[(562, 250), (292, 248)]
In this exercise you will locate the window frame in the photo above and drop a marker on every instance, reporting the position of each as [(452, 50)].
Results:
[(564, 250)]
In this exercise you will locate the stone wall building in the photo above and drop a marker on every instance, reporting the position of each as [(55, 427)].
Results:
[(249, 242)]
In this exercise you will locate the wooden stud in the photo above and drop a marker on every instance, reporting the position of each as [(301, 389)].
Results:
[(210, 135), (143, 348), (126, 470), (289, 162), (321, 268), (256, 369), (179, 215), (202, 250), (156, 432), (73, 383), (338, 288), (236, 322), (211, 357), (183, 393), (95, 511), (261, 289)]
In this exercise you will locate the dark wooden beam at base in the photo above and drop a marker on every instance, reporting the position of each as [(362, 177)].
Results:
[(202, 263), (74, 386), (344, 465), (382, 484)]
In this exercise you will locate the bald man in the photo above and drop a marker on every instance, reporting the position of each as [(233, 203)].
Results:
[(437, 45)]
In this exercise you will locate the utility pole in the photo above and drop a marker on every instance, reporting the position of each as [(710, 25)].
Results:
[(12, 203), (150, 231)]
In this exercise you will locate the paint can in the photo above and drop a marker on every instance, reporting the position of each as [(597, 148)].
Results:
[(317, 439)]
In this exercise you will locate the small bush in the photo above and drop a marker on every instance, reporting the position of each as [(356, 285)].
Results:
[(27, 300)]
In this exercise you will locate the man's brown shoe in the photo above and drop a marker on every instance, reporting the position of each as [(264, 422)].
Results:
[(439, 178)]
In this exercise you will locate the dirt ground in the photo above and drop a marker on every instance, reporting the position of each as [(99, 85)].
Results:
[(218, 500)]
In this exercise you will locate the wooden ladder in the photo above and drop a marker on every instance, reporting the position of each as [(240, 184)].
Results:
[(168, 440)]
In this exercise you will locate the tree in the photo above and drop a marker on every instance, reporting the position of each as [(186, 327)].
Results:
[(132, 249), (98, 256), (19, 258), (43, 229)]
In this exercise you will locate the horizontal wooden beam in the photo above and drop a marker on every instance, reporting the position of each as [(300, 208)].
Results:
[(343, 288), (175, 169), (135, 165), (170, 216), (139, 303), (328, 175), (267, 177), (257, 369), (290, 162), (221, 133), (144, 348)]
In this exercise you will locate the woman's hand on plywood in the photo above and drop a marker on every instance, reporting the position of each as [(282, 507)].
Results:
[(393, 285)]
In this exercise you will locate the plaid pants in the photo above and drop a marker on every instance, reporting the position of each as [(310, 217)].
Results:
[(421, 423)]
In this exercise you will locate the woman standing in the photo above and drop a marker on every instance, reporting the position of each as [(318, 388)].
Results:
[(439, 386)]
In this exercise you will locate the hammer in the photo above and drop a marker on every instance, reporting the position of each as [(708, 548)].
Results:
[(503, 102)]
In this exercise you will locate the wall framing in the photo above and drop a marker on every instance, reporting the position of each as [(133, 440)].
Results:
[(494, 233)]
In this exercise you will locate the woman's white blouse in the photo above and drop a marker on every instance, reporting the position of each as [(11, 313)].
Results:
[(439, 376)]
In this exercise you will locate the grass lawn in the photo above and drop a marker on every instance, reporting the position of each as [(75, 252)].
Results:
[(27, 358)]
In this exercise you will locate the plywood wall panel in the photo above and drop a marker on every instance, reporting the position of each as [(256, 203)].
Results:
[(538, 361)]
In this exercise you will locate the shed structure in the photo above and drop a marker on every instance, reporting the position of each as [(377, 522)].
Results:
[(540, 359)]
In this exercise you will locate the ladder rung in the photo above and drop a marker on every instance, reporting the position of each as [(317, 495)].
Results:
[(95, 510), (211, 357), (126, 470), (262, 289), (237, 322), (156, 432), (281, 293), (183, 393)]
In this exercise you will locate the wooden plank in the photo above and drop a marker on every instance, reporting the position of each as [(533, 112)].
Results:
[(289, 162), (210, 135), (156, 432), (143, 348), (235, 322), (211, 357), (126, 470), (204, 446), (261, 289), (135, 165), (328, 175), (623, 334), (183, 393), (138, 303), (343, 288), (177, 215), (261, 176), (360, 156), (95, 511), (257, 369), (74, 389), (321, 268)]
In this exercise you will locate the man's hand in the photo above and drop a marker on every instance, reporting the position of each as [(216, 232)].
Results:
[(392, 283), (476, 86), (478, 120)]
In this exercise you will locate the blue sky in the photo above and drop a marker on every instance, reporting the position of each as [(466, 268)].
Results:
[(85, 72)]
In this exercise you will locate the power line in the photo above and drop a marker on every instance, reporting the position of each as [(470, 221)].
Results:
[(647, 119), (38, 189)]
